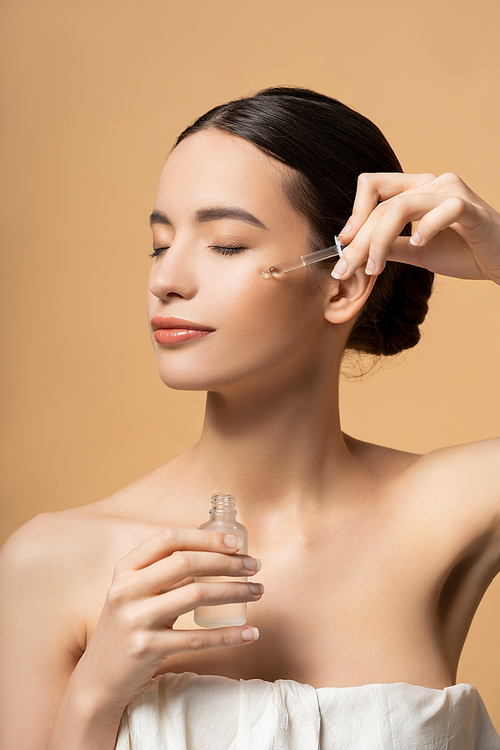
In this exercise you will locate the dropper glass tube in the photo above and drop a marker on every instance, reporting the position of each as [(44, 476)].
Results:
[(305, 260)]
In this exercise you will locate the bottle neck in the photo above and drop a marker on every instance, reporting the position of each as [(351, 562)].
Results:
[(223, 508)]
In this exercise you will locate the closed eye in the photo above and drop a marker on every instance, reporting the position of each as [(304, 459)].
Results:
[(228, 249), (157, 251), (224, 250)]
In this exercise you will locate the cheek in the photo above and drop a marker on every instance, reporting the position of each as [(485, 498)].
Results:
[(262, 324), (271, 314)]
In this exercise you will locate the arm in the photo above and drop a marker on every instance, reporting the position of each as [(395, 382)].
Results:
[(469, 475), (38, 647), (459, 236), (54, 694)]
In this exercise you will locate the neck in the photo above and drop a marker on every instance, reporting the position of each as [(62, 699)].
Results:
[(278, 445)]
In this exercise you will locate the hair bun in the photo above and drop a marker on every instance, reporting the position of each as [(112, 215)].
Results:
[(397, 306)]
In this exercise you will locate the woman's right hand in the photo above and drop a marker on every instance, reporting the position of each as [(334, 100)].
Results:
[(152, 585)]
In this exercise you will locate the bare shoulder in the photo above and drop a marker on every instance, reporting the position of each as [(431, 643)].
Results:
[(75, 544), (469, 465), (42, 567), (469, 472), (39, 547), (58, 540), (61, 548), (460, 481), (480, 459), (56, 569)]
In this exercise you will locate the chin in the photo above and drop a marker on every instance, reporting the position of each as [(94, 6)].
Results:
[(249, 366), (185, 386), (188, 382), (192, 379)]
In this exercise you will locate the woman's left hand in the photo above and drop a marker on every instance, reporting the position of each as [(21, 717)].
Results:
[(458, 234)]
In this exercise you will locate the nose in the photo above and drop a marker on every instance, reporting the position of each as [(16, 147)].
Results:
[(173, 274)]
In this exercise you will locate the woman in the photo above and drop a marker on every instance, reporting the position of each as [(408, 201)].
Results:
[(374, 560)]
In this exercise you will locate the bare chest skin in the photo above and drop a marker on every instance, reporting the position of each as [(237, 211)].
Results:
[(360, 597)]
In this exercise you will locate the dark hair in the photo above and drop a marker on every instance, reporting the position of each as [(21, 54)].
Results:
[(328, 145)]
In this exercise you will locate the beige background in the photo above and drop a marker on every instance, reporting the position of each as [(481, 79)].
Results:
[(94, 93)]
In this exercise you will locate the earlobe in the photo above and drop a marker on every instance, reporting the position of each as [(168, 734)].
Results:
[(347, 297)]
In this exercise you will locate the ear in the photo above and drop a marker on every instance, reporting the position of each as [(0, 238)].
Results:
[(345, 298)]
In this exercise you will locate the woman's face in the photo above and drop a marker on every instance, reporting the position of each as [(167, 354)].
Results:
[(257, 326)]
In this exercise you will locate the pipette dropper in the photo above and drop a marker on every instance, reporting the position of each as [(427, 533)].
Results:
[(305, 260)]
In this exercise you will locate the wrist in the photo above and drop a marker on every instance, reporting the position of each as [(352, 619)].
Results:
[(84, 720), (88, 700)]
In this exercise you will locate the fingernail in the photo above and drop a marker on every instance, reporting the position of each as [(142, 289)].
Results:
[(251, 563), (231, 540), (256, 588), (370, 266), (415, 239), (339, 269), (250, 634), (346, 229)]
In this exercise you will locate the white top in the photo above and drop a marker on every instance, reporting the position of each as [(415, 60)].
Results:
[(208, 712)]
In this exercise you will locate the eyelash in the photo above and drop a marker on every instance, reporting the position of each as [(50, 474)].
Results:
[(227, 250)]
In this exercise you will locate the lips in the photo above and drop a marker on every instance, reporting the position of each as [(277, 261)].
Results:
[(177, 330)]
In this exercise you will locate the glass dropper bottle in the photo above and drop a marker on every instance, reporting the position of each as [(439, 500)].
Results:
[(223, 518)]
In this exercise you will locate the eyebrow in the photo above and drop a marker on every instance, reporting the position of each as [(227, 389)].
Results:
[(211, 214)]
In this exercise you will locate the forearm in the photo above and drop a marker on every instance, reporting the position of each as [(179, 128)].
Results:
[(83, 722)]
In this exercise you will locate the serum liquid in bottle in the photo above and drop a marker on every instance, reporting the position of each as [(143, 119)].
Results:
[(223, 518)]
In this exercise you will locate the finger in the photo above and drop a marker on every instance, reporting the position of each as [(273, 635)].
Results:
[(165, 607), (177, 585), (447, 254), (167, 572), (374, 187), (380, 231), (173, 538), (454, 212), (403, 252), (173, 642)]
